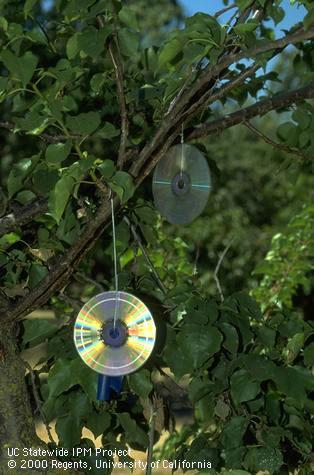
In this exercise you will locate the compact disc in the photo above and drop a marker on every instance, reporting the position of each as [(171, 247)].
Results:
[(114, 333), (181, 184)]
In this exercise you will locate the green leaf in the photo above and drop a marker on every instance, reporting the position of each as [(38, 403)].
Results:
[(264, 458), (128, 17), (302, 117), (98, 423), (24, 197), (233, 432), (108, 131), (231, 340), (18, 174), (243, 388), (28, 6), (286, 130), (107, 168), (69, 426), (294, 346), (56, 153), (36, 274), (309, 19), (45, 180), (309, 355), (122, 183), (222, 409), (90, 42), (246, 27), (129, 42), (199, 343), (59, 197), (60, 378), (69, 431), (33, 122), (8, 239), (85, 123), (37, 330), (21, 68), (133, 432), (140, 383), (170, 51)]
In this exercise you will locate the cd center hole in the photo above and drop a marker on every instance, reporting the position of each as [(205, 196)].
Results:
[(181, 183), (114, 333)]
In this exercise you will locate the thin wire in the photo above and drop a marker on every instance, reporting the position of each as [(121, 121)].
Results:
[(115, 263), (182, 154)]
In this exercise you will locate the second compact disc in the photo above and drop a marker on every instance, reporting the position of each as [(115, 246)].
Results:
[(181, 184), (114, 333)]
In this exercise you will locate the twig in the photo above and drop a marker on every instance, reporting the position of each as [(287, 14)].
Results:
[(38, 401), (89, 280), (151, 434), (116, 60), (146, 256), (221, 258), (163, 373), (75, 304), (276, 145), (278, 101), (44, 136), (224, 10)]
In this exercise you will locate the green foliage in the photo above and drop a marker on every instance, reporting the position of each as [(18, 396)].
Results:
[(288, 264), (58, 91), (245, 405)]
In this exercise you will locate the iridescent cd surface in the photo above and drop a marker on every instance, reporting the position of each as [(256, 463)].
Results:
[(120, 349), (181, 184)]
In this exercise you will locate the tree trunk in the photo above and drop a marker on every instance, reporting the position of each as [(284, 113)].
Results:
[(17, 428)]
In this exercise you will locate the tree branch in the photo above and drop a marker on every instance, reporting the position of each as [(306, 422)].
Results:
[(166, 127), (63, 269), (23, 216), (284, 148), (116, 60), (117, 64), (146, 256), (38, 401), (44, 136), (221, 258), (151, 434), (279, 101), (225, 10)]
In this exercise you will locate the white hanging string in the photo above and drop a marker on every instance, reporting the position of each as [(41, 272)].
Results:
[(114, 263), (182, 154)]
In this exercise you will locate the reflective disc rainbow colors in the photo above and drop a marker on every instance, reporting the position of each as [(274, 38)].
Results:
[(100, 345), (181, 184)]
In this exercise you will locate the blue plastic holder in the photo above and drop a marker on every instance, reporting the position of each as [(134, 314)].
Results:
[(106, 384)]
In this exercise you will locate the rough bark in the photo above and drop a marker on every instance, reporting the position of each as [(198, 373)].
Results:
[(17, 428), (17, 425)]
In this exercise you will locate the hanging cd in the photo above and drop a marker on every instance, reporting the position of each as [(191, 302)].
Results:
[(114, 333), (181, 184)]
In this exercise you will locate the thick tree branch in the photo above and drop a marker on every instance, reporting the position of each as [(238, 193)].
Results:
[(278, 101), (63, 269), (279, 146), (187, 99), (23, 216)]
